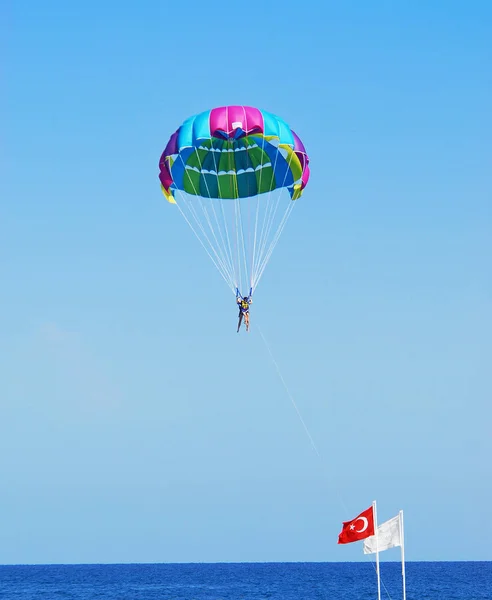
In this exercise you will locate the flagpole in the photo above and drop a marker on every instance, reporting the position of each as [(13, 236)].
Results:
[(402, 539), (377, 547)]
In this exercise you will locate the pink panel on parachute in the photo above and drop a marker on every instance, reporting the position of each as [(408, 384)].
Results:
[(301, 154), (231, 118), (171, 148), (305, 176)]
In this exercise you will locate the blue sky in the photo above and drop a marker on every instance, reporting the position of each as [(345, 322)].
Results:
[(135, 425)]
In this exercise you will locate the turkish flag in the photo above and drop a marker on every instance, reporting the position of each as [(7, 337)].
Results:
[(357, 529)]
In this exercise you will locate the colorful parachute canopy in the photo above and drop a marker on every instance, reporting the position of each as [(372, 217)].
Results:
[(233, 152), (239, 154)]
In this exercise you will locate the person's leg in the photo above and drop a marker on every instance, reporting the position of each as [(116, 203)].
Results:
[(239, 322)]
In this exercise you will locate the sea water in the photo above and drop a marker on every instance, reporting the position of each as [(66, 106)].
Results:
[(246, 581)]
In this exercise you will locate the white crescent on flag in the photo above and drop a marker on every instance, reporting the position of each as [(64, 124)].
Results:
[(364, 520)]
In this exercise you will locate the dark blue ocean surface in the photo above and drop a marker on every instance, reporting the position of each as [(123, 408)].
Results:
[(248, 581)]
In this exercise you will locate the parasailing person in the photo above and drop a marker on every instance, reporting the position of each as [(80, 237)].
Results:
[(244, 303)]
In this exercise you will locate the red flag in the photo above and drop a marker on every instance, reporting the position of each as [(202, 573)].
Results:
[(357, 529)]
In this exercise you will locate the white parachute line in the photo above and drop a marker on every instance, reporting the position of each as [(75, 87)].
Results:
[(224, 276), (212, 250), (265, 206), (241, 232), (269, 252), (233, 233), (224, 221), (275, 240), (248, 205), (253, 257), (227, 248), (218, 263), (254, 243), (273, 213), (236, 252), (240, 240), (329, 469), (229, 245), (239, 246), (261, 252), (244, 247), (237, 214), (190, 206), (270, 221), (329, 472), (262, 210), (290, 396), (220, 246), (245, 205), (265, 220), (217, 249), (192, 212), (204, 206), (264, 228), (278, 233), (237, 256), (228, 265), (276, 237)]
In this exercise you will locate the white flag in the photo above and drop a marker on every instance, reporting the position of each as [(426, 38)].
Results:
[(388, 537)]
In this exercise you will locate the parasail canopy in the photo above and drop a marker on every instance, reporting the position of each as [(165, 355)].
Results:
[(233, 172)]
